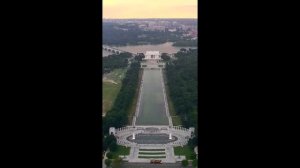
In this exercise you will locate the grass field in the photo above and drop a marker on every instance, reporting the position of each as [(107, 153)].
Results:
[(186, 151), (176, 120), (152, 149), (149, 157), (110, 89), (116, 75), (121, 151), (152, 153), (152, 107)]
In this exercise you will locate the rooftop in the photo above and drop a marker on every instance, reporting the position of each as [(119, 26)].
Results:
[(152, 52)]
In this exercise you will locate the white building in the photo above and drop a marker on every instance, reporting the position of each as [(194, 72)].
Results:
[(172, 30), (152, 55)]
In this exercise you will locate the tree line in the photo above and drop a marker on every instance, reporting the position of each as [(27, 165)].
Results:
[(184, 43), (117, 116), (115, 61), (181, 75), (114, 35)]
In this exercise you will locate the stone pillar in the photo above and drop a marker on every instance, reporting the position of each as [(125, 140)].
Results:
[(170, 136), (133, 136), (112, 131)]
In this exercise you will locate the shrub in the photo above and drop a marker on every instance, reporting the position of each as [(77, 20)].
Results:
[(193, 156), (109, 155), (113, 146)]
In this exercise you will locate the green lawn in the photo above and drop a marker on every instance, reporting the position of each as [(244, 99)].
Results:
[(152, 149), (152, 153), (186, 151), (121, 151), (117, 75), (148, 157), (111, 90), (176, 120)]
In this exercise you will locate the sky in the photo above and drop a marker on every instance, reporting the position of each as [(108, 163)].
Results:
[(113, 9)]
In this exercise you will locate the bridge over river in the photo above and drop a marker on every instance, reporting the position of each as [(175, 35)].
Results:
[(116, 50)]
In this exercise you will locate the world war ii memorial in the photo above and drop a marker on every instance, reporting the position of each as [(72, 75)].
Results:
[(152, 134)]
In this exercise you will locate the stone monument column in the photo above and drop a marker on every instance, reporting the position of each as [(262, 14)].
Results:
[(112, 131)]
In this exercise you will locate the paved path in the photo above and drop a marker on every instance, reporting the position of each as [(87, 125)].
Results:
[(103, 163), (103, 160)]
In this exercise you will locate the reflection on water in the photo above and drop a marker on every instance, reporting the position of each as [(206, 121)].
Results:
[(163, 48)]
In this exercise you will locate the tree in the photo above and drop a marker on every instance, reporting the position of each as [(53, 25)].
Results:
[(183, 50), (107, 162), (193, 156), (193, 142), (113, 146), (109, 155), (185, 163), (139, 57), (165, 57), (182, 78), (108, 140), (117, 116), (115, 61)]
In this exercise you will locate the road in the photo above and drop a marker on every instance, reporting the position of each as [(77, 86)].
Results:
[(103, 160)]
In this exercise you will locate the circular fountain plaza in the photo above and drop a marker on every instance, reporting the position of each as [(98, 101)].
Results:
[(152, 134)]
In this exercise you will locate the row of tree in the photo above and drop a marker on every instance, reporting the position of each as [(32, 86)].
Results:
[(181, 74), (183, 43), (182, 79), (115, 61), (117, 116)]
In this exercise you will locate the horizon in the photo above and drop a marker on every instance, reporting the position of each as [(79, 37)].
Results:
[(147, 18), (154, 9)]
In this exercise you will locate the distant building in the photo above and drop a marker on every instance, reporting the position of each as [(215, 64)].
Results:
[(152, 55), (172, 30), (155, 27), (142, 26)]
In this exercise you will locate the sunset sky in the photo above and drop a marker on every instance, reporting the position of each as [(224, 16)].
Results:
[(149, 9)]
